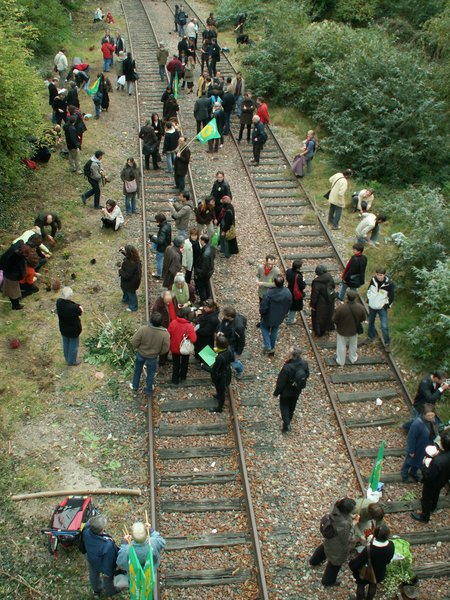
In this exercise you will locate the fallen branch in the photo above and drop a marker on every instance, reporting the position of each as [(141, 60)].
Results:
[(100, 491), (24, 582)]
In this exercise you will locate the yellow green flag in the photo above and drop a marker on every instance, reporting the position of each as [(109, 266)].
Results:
[(175, 86), (91, 91), (209, 132), (141, 579), (376, 471)]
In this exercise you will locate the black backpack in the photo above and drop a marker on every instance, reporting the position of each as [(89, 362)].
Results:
[(87, 168), (327, 528), (299, 379)]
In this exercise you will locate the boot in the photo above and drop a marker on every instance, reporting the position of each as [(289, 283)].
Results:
[(16, 304)]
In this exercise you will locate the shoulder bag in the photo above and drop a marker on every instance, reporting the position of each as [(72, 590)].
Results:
[(186, 346), (327, 195), (231, 233), (130, 186), (367, 573)]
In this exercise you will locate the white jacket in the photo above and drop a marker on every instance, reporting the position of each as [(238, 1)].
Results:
[(365, 226), (188, 255), (339, 186), (60, 61), (115, 214)]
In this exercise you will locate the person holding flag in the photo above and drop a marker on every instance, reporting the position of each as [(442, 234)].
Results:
[(218, 116), (140, 556), (95, 91)]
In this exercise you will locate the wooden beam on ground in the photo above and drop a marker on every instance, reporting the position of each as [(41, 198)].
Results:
[(82, 492)]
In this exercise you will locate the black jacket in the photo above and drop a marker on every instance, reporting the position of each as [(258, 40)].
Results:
[(182, 163), (292, 371), (69, 318), (290, 278), (426, 394), (221, 369), (147, 135), (380, 557), (259, 133), (52, 93), (129, 67), (130, 275), (234, 331), (13, 264), (228, 102), (219, 190), (171, 141), (204, 266), (201, 109), (207, 324), (219, 116), (438, 473), (164, 236), (356, 265), (72, 141)]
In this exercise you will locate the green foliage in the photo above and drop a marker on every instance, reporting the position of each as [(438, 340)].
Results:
[(414, 11), (51, 22), (356, 12), (437, 34), (264, 12), (110, 344)]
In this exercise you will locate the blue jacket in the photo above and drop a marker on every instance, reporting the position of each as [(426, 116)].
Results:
[(158, 544), (275, 306), (421, 435), (101, 551)]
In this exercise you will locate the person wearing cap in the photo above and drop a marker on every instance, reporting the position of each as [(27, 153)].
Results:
[(162, 54), (172, 263), (219, 115), (290, 383), (101, 554), (347, 319), (139, 539)]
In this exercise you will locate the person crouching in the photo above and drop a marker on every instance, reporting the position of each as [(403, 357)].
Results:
[(112, 216)]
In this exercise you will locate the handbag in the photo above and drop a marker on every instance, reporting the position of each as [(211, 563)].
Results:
[(327, 195), (231, 233), (134, 76), (130, 186), (367, 573), (215, 240), (186, 346), (149, 148)]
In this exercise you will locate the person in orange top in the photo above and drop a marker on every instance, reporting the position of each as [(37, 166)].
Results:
[(27, 286), (263, 111)]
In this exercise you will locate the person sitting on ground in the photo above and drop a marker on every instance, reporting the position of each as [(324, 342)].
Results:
[(45, 220), (101, 554), (140, 535), (112, 216)]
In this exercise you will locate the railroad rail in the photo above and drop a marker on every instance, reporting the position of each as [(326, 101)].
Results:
[(299, 232), (237, 548)]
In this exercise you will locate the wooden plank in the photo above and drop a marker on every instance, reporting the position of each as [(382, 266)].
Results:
[(198, 478), (194, 452), (273, 185), (206, 541), (187, 404), (362, 377), (429, 536), (353, 423), (310, 256), (325, 343), (306, 233), (365, 396), (362, 360), (308, 243), (440, 569), (373, 452), (413, 505), (293, 223), (204, 505), (294, 202), (206, 577), (388, 477), (276, 212), (166, 430)]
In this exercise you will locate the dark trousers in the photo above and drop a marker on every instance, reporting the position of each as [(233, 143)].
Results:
[(108, 223), (334, 215), (257, 151), (180, 363), (361, 588), (154, 160), (214, 144), (212, 67), (203, 289), (200, 125), (331, 571), (430, 498), (241, 131), (180, 182), (220, 393), (226, 128), (188, 276), (94, 191), (287, 409)]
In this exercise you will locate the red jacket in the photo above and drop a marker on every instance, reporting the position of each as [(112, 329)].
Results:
[(177, 329), (263, 113), (175, 65), (108, 50)]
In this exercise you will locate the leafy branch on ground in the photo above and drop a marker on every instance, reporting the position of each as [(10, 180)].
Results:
[(111, 344)]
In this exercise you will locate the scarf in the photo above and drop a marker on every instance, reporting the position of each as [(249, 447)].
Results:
[(267, 269)]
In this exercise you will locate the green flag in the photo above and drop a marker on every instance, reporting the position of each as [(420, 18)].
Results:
[(175, 86), (376, 471), (91, 91), (209, 132), (141, 579)]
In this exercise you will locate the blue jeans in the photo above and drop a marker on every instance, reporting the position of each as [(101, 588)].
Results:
[(130, 203), (237, 365), (292, 317), (162, 72), (107, 62), (181, 30), (343, 289), (170, 161), (159, 262), (70, 349), (382, 312), (334, 214), (181, 234), (151, 370), (130, 298), (269, 335), (409, 467)]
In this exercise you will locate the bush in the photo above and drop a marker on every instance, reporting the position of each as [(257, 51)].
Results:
[(51, 22), (110, 344)]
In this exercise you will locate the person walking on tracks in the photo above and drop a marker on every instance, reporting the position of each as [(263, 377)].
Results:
[(273, 310), (162, 54), (323, 296), (221, 371), (233, 327), (421, 434), (348, 318), (336, 196), (380, 296), (290, 383), (259, 138), (337, 530), (435, 476), (150, 342)]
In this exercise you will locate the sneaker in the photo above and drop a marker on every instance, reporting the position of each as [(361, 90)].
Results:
[(271, 353), (216, 410), (156, 276), (335, 229), (130, 385)]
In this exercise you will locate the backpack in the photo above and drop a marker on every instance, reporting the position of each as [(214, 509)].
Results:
[(299, 379), (297, 293), (181, 18), (241, 322), (87, 168), (327, 528)]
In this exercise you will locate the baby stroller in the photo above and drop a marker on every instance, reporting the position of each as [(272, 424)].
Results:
[(67, 522)]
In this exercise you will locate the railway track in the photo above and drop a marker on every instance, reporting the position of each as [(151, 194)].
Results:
[(210, 476), (297, 231)]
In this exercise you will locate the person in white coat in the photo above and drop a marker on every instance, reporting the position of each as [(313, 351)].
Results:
[(336, 196), (112, 215), (191, 253), (61, 66)]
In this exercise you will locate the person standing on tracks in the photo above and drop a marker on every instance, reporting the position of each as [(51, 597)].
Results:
[(296, 285), (220, 188), (181, 21), (238, 89), (323, 296), (162, 54), (214, 52), (228, 239), (129, 70), (336, 196), (348, 319), (421, 434), (233, 327), (273, 310), (259, 138), (161, 241), (221, 371), (181, 164), (150, 342), (436, 474), (171, 137), (172, 262), (262, 110), (354, 273), (182, 211), (380, 296), (191, 253), (204, 268), (191, 32), (181, 328), (246, 116), (265, 276), (206, 325), (202, 108), (219, 116), (290, 383), (150, 145)]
